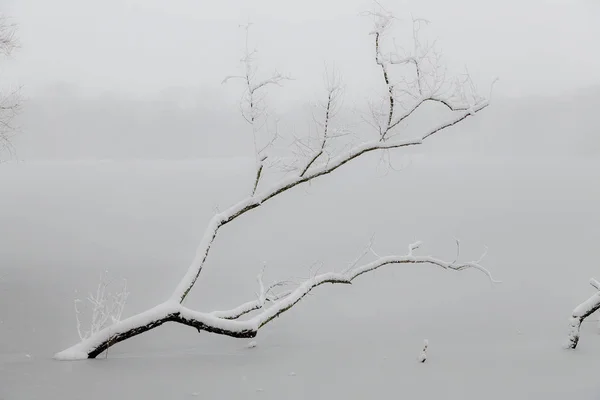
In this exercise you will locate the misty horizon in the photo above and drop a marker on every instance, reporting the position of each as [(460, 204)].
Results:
[(150, 77), (63, 123)]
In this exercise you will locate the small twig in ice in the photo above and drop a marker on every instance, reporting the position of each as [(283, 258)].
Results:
[(106, 307), (423, 355)]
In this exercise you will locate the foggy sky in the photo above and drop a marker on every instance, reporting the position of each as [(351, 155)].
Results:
[(144, 47), (142, 78)]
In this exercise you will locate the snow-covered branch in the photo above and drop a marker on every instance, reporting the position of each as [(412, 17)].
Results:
[(259, 171), (106, 307), (265, 295), (275, 79), (334, 92), (258, 199), (349, 275), (429, 85), (580, 313), (227, 323)]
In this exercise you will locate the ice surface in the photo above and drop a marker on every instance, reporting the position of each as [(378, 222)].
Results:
[(143, 221)]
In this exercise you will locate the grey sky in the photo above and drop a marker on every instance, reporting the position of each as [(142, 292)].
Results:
[(147, 46)]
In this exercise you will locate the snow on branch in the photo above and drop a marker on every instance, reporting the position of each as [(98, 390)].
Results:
[(227, 323), (430, 83), (275, 79), (330, 108), (265, 295), (349, 275), (252, 105), (106, 307), (258, 199), (580, 313), (289, 299)]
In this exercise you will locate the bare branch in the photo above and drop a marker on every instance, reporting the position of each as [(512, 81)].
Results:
[(255, 113), (275, 79), (379, 60), (264, 296), (106, 307), (457, 251), (334, 91), (428, 81), (9, 103), (366, 251), (258, 175), (251, 203), (382, 21), (8, 39), (231, 77)]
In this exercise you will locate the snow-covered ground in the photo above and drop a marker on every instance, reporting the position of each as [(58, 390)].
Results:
[(62, 224)]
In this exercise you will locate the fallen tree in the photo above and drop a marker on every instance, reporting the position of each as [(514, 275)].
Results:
[(314, 158)]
